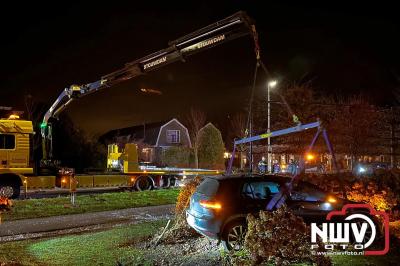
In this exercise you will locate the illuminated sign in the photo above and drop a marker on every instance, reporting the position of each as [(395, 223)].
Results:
[(205, 43), (211, 41), (155, 62)]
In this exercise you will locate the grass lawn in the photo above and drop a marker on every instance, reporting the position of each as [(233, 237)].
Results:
[(101, 248), (34, 208)]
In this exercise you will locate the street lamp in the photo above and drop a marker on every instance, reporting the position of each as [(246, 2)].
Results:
[(271, 84)]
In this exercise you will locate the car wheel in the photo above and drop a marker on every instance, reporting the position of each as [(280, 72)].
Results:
[(233, 236), (368, 233)]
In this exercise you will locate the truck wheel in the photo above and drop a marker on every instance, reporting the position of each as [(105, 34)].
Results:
[(10, 190), (143, 183), (172, 181), (166, 181)]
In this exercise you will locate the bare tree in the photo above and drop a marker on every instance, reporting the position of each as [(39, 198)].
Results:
[(29, 105), (35, 112), (195, 120), (357, 128), (238, 131), (238, 125), (300, 98)]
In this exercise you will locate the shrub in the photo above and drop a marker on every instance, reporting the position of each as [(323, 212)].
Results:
[(381, 191), (330, 182), (5, 205), (186, 192), (211, 148), (368, 192), (180, 230), (278, 237), (177, 156)]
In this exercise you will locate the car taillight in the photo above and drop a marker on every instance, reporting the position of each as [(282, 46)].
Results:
[(211, 204), (331, 199)]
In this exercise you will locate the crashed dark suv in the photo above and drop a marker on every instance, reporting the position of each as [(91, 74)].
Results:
[(219, 207)]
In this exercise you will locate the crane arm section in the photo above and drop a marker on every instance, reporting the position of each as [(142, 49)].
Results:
[(277, 133)]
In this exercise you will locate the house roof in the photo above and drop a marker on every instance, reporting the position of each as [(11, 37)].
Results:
[(147, 132), (179, 123)]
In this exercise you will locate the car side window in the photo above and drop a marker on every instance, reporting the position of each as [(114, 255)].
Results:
[(304, 192), (259, 190)]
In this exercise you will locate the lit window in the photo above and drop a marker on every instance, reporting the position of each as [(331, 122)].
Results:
[(173, 136), (7, 142)]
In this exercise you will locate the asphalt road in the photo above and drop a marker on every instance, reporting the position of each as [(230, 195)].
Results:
[(75, 223)]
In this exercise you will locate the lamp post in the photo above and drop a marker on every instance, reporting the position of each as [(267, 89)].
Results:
[(271, 84)]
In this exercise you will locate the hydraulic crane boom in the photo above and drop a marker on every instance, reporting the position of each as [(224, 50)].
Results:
[(232, 27)]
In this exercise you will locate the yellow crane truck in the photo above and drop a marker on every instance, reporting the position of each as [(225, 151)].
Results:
[(14, 155)]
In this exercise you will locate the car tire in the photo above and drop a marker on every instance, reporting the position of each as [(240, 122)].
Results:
[(233, 235), (368, 233)]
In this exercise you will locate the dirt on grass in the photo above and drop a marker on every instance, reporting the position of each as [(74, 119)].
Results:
[(197, 250)]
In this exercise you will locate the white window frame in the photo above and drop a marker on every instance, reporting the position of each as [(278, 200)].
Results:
[(173, 132)]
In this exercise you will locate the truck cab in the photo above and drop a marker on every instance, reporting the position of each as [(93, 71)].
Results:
[(14, 154)]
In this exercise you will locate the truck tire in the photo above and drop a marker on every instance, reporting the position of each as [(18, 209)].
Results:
[(172, 181), (10, 190), (143, 183), (166, 181)]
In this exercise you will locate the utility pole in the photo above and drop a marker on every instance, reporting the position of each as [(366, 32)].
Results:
[(270, 85), (251, 144), (392, 138)]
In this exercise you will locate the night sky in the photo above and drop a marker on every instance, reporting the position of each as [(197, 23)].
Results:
[(341, 49)]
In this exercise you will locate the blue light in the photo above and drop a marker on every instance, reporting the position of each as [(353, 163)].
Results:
[(326, 206)]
